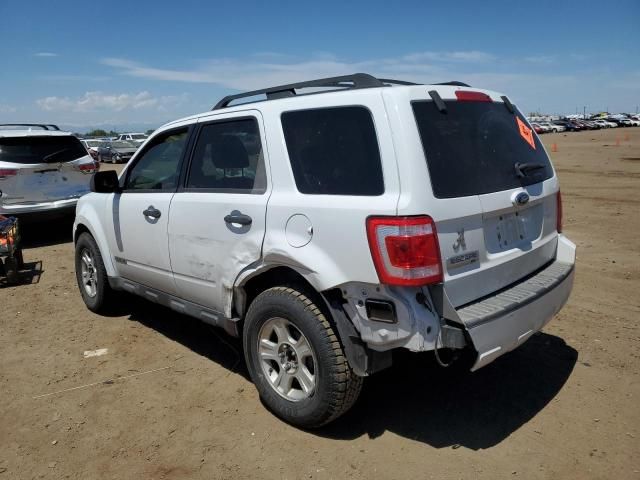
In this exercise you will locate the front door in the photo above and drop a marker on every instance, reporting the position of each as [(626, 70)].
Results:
[(217, 221), (140, 214)]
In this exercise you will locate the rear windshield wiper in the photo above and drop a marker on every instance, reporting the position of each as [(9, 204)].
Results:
[(46, 158), (523, 168)]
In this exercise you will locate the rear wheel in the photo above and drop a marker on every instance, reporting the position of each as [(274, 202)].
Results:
[(91, 275), (295, 359)]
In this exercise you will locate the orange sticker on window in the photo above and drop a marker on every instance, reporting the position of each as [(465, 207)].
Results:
[(526, 133)]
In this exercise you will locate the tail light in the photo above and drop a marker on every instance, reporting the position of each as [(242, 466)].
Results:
[(559, 211), (405, 250), (467, 96), (8, 172), (87, 167)]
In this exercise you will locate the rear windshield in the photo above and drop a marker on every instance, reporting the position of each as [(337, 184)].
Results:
[(472, 148), (27, 150)]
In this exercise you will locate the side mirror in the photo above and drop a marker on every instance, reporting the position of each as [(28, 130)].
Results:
[(105, 182)]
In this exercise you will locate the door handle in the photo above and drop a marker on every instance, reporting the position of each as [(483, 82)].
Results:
[(239, 218), (152, 212)]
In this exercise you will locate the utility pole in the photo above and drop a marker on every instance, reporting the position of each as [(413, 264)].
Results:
[(584, 113)]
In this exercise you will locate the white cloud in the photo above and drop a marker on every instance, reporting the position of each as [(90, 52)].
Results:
[(7, 108), (104, 102), (541, 59), (472, 56), (45, 54), (273, 69)]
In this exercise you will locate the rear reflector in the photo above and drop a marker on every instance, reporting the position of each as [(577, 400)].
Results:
[(559, 212), (8, 172), (467, 96), (405, 250)]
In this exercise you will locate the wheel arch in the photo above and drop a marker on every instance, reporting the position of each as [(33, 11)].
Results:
[(82, 225), (363, 360)]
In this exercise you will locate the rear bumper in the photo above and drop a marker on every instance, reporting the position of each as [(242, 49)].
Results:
[(39, 207), (498, 324)]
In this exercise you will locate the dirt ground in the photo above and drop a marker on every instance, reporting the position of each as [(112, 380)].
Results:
[(171, 398)]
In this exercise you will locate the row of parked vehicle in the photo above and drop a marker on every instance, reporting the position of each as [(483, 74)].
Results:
[(114, 150), (576, 125)]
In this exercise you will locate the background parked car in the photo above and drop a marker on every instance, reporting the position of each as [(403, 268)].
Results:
[(42, 169), (138, 138), (552, 127), (604, 123), (116, 151), (569, 126), (92, 146), (537, 128)]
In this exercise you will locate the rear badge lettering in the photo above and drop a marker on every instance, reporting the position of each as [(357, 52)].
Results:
[(526, 133), (461, 260)]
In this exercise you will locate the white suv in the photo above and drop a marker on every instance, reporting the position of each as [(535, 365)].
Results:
[(330, 228), (138, 138), (42, 170)]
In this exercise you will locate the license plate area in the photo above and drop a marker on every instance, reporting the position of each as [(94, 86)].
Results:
[(513, 229)]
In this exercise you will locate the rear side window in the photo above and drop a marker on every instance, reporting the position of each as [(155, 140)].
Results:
[(334, 151), (472, 148), (228, 158), (31, 150)]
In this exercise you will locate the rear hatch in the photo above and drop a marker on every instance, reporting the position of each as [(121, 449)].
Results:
[(38, 169), (495, 189)]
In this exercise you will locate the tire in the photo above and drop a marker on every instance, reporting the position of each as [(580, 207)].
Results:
[(328, 386), (99, 296), (11, 270), (99, 158)]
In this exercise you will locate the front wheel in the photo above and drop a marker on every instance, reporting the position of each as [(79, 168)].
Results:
[(295, 359), (91, 275)]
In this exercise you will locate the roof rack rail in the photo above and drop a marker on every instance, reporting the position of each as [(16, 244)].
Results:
[(44, 126), (454, 83), (354, 81), (397, 82)]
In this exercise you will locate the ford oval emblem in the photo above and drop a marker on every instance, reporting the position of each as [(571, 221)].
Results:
[(520, 199)]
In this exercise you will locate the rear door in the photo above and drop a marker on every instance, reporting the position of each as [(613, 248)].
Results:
[(480, 152), (138, 216), (217, 221), (37, 169)]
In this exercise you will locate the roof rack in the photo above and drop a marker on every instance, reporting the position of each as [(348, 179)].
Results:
[(353, 81), (357, 80), (44, 126)]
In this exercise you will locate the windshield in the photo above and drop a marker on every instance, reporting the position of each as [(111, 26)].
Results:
[(93, 143), (138, 136), (472, 148), (49, 149)]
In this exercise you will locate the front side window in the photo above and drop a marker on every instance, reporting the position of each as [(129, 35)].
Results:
[(158, 167), (334, 151), (228, 158)]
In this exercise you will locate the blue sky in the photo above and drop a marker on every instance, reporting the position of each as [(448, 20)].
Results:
[(142, 63)]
